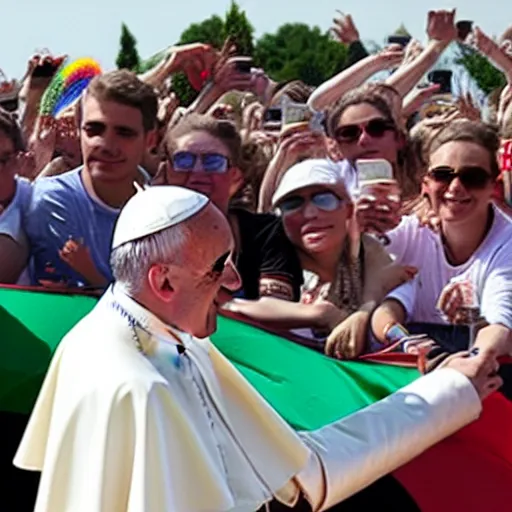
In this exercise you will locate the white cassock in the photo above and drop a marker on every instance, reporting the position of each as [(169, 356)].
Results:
[(128, 422)]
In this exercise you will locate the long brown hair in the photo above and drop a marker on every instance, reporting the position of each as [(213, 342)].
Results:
[(388, 102)]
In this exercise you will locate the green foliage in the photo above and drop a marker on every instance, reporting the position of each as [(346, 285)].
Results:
[(295, 52), (480, 69), (128, 57), (237, 26), (299, 52), (210, 31)]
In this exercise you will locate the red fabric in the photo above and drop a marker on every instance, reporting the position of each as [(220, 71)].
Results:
[(470, 471)]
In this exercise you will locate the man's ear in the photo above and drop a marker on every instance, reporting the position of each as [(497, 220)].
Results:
[(151, 139), (160, 280)]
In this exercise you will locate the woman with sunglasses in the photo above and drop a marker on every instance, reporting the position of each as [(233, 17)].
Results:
[(340, 268), (367, 124), (206, 155), (463, 267)]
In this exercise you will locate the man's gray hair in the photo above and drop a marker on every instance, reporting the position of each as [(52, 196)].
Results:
[(131, 261)]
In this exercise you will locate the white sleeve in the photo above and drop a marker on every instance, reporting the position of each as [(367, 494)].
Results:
[(496, 299), (355, 451), (401, 237), (406, 294)]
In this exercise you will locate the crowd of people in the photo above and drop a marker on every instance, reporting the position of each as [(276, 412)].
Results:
[(359, 215)]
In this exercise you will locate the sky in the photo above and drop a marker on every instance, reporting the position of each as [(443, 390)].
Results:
[(91, 28)]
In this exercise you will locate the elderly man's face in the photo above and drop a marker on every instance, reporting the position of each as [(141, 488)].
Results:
[(207, 268)]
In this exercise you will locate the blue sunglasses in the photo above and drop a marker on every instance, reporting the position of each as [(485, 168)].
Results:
[(185, 161), (326, 201)]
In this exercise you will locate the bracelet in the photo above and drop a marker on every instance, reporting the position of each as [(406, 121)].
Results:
[(394, 332)]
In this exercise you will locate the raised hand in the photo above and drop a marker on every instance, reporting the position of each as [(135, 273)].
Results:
[(441, 25), (345, 29), (491, 49)]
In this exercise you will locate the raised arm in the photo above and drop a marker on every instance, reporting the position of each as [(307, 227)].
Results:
[(441, 32), (331, 91)]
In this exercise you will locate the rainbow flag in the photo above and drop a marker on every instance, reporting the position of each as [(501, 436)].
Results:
[(470, 471), (67, 85)]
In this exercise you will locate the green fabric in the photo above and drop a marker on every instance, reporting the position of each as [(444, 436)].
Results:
[(32, 325), (306, 388)]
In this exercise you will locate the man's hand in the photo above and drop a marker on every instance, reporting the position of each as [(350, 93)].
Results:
[(480, 369), (345, 29), (348, 339), (441, 26)]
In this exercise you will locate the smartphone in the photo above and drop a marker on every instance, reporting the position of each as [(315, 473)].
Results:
[(376, 182), (464, 27), (443, 77), (300, 113), (403, 41), (273, 115), (243, 65), (374, 170)]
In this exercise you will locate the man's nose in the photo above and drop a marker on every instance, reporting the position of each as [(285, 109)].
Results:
[(230, 277), (107, 142)]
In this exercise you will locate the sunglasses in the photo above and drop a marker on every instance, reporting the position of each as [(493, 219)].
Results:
[(375, 128), (185, 161), (470, 177), (325, 201)]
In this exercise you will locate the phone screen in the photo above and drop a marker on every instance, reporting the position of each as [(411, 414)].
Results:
[(243, 66), (443, 77), (273, 115)]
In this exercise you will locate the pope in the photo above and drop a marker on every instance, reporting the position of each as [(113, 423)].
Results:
[(140, 413)]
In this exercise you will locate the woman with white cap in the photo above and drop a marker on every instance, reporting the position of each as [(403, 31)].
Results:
[(339, 266)]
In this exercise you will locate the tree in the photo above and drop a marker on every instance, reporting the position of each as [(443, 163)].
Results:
[(299, 52), (402, 31), (209, 31), (128, 57), (237, 26), (480, 69)]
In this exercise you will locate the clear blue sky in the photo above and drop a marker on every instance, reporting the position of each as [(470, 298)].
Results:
[(92, 27)]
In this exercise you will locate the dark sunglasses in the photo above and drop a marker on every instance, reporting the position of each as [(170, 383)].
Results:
[(220, 263), (326, 201), (470, 177), (185, 161), (375, 128)]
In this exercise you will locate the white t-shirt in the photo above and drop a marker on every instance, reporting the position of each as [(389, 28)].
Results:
[(489, 270), (11, 219)]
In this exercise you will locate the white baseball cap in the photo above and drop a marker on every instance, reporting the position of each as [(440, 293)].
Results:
[(308, 173), (154, 209)]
